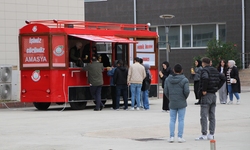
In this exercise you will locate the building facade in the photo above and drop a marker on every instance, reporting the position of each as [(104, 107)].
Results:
[(195, 23), (13, 14)]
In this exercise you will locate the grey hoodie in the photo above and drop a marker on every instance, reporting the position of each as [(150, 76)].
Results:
[(147, 70), (177, 91)]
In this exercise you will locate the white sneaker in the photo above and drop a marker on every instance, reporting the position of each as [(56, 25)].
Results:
[(171, 140), (210, 137), (164, 111), (116, 109), (111, 108), (230, 102), (238, 102), (137, 108), (168, 111), (132, 108), (181, 140), (202, 137)]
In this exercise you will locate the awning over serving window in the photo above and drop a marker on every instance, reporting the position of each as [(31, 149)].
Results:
[(105, 39)]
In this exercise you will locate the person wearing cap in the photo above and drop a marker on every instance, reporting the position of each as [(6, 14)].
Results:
[(233, 82)]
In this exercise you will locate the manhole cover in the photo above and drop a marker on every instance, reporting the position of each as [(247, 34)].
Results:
[(148, 139)]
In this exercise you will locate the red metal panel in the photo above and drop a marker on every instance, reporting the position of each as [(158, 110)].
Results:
[(154, 73)]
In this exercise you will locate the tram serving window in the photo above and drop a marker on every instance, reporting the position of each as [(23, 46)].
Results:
[(104, 51)]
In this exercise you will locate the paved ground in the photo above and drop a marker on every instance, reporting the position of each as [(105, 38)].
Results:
[(30, 129)]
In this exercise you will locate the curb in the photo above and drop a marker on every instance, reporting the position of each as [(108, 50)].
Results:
[(15, 105)]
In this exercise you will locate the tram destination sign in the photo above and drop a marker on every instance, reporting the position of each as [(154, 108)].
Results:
[(35, 51)]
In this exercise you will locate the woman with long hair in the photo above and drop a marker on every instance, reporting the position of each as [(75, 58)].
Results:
[(195, 75), (166, 71), (233, 82), (222, 68)]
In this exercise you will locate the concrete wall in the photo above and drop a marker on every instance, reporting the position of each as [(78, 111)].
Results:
[(186, 12), (13, 14)]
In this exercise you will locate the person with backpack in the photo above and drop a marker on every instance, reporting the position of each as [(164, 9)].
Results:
[(210, 82), (145, 87)]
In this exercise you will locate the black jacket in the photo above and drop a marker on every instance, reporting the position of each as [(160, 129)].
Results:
[(235, 74), (211, 80), (146, 83), (120, 76), (166, 73)]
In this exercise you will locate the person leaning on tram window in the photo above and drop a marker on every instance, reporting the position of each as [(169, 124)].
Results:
[(95, 79), (74, 54)]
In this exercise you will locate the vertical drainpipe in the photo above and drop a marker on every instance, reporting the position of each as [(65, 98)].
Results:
[(243, 34), (135, 13)]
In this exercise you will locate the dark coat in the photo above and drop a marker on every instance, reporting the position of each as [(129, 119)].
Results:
[(146, 82), (166, 73), (120, 76), (94, 73), (211, 80), (235, 74)]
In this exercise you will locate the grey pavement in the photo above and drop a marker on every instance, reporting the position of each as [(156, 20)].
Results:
[(30, 129)]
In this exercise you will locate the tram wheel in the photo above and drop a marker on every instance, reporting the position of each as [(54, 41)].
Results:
[(103, 102), (41, 106), (78, 105)]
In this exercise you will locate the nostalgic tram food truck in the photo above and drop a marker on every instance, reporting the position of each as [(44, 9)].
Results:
[(48, 76)]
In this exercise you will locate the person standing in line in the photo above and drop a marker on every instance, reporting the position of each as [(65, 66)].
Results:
[(120, 80), (145, 87), (136, 74), (195, 75), (95, 79), (222, 68), (141, 98), (177, 91), (166, 71), (111, 73), (233, 82), (210, 82)]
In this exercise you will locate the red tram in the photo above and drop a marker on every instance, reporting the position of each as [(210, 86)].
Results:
[(47, 75)]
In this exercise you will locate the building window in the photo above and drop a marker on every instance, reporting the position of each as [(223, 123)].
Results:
[(153, 29), (202, 34), (186, 36), (162, 37), (222, 33), (173, 36)]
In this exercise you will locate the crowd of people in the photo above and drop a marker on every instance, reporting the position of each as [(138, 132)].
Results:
[(207, 81)]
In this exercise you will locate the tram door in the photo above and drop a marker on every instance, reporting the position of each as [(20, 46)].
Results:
[(121, 53)]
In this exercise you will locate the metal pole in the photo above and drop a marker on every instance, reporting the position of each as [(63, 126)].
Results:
[(167, 45)]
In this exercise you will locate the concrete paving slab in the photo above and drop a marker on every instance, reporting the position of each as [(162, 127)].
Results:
[(30, 129)]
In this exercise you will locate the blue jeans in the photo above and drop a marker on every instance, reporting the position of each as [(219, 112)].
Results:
[(229, 87), (173, 116), (121, 89), (145, 99), (135, 89)]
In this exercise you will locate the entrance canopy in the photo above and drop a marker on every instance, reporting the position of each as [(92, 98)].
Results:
[(104, 39)]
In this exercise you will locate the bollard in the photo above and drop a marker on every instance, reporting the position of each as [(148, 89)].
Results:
[(212, 145)]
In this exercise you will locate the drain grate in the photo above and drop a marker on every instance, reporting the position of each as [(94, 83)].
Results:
[(148, 139)]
